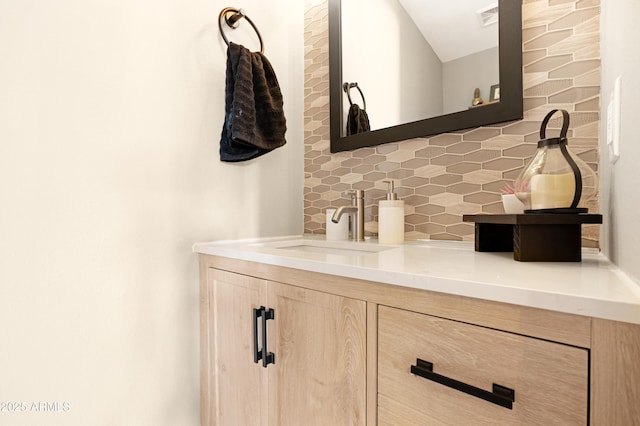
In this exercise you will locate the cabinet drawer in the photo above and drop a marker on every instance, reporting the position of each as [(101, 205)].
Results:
[(549, 380)]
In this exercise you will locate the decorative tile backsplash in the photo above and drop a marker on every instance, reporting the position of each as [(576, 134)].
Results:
[(448, 175)]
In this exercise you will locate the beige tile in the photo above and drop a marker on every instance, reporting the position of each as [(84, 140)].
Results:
[(583, 46), (481, 134), (464, 147), (460, 229), (373, 159), (521, 151), (587, 131), (533, 32), (415, 163), (365, 168), (446, 237), (415, 200), (575, 69), (540, 13), (374, 176), (351, 162), (532, 56), (446, 160), (446, 179), (400, 174), (591, 78), (339, 187), (430, 152), (502, 142), (481, 156), (482, 176), (482, 198), (416, 219), (415, 182), (496, 186), (430, 228), (587, 3), (387, 166), (445, 219), (387, 148), (351, 178), (521, 128), (464, 188), (429, 190), (445, 139), (331, 180), (363, 152), (400, 155), (547, 40), (503, 164), (429, 209), (575, 94), (463, 168), (574, 18), (363, 185), (548, 87), (548, 63)]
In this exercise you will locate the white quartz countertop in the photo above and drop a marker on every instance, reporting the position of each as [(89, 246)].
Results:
[(594, 287)]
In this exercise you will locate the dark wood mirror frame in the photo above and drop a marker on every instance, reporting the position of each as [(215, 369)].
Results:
[(509, 108)]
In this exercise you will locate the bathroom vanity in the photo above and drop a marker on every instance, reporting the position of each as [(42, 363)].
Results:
[(298, 330)]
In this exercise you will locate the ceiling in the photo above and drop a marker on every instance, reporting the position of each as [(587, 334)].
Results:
[(453, 27)]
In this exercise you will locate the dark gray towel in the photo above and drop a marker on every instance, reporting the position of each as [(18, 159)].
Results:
[(254, 118), (357, 120)]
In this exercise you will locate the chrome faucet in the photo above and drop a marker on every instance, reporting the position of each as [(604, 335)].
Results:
[(356, 213)]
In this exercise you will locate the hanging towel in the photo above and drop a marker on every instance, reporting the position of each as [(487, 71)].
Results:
[(357, 120), (254, 118)]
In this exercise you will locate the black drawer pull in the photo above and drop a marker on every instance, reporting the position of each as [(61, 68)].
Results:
[(262, 353), (257, 353), (267, 357), (501, 395)]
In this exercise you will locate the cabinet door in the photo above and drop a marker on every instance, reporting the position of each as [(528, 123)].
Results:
[(549, 380), (319, 341), (235, 391)]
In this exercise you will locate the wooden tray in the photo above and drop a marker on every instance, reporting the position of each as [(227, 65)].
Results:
[(532, 237)]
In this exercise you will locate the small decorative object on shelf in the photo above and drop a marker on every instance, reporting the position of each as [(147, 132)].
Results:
[(555, 181), (477, 100), (510, 201)]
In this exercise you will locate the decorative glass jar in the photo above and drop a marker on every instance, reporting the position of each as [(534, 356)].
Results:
[(555, 180)]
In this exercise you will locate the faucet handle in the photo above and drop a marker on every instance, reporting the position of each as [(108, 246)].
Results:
[(354, 193)]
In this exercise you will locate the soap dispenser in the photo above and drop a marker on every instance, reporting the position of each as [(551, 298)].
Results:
[(391, 218)]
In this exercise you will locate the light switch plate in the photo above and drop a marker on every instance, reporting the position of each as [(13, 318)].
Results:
[(613, 121)]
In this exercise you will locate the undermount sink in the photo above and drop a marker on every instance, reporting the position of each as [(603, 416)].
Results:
[(344, 248)]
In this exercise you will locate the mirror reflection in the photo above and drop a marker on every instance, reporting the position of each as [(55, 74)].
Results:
[(416, 59), (424, 68)]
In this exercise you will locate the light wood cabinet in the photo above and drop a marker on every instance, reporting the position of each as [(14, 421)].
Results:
[(456, 366), (318, 342), (235, 388), (344, 348)]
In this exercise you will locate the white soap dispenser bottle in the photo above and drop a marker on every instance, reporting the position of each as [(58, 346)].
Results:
[(391, 218)]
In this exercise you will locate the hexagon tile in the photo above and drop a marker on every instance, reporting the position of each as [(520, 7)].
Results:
[(445, 176)]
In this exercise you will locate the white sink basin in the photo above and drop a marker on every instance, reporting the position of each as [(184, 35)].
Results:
[(343, 248)]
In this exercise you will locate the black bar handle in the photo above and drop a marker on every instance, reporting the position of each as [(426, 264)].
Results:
[(501, 395), (257, 313), (267, 357)]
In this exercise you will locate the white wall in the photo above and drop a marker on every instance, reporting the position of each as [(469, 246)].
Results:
[(619, 182), (110, 119)]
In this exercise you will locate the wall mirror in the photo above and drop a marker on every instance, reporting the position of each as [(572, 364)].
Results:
[(417, 77)]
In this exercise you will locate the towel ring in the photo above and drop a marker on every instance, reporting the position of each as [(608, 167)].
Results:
[(232, 22), (347, 87)]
